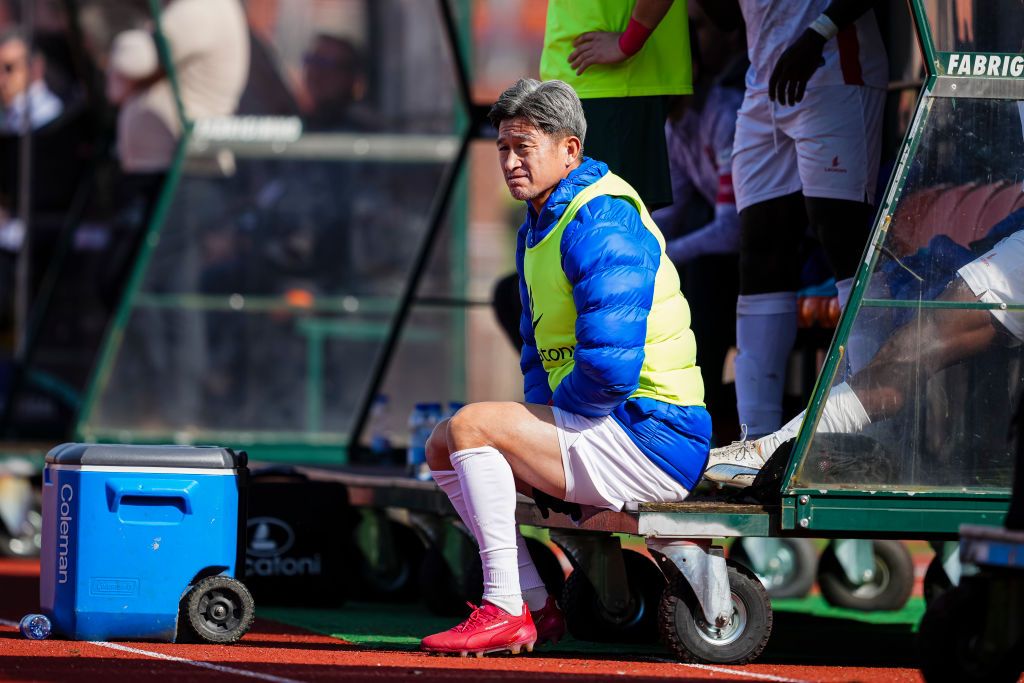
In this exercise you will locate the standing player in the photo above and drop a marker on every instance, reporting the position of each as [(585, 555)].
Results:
[(807, 149)]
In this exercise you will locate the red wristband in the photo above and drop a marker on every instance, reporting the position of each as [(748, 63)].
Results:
[(634, 37)]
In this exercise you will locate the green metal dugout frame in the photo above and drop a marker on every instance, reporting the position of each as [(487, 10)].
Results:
[(904, 511), (376, 320)]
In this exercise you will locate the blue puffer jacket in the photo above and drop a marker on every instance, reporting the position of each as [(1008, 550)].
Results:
[(607, 239)]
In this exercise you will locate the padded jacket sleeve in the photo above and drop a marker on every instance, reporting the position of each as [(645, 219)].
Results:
[(535, 377), (611, 261)]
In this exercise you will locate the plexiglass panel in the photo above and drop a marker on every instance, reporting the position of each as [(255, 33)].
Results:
[(976, 25), (933, 360), (292, 232)]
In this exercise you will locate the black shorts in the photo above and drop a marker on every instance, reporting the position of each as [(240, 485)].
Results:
[(628, 134)]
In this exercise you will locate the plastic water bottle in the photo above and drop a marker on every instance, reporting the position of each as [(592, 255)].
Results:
[(35, 626), (454, 407), (422, 420), (380, 444)]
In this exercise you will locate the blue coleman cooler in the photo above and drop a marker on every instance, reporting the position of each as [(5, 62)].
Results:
[(144, 543)]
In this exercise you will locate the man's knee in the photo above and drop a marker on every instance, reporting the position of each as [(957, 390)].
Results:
[(437, 448), (468, 427)]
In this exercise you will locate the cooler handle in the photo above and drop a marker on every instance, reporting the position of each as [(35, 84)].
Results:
[(181, 490)]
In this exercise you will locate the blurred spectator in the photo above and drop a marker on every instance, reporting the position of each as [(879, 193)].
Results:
[(807, 148), (622, 60), (335, 82), (27, 101), (209, 46)]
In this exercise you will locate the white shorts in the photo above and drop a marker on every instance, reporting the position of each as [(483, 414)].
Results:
[(828, 145), (998, 278), (605, 468)]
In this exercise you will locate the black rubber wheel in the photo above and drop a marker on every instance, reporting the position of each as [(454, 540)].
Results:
[(397, 580), (790, 573), (888, 590), (27, 540), (587, 619), (688, 634), (951, 640), (220, 609), (936, 581)]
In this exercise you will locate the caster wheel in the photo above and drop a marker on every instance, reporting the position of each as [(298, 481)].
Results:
[(390, 574), (219, 609), (790, 573), (587, 619), (889, 589), (692, 639)]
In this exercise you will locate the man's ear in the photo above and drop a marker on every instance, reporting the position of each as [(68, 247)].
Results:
[(573, 146)]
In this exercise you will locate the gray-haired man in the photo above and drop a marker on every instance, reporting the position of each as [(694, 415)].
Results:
[(614, 401)]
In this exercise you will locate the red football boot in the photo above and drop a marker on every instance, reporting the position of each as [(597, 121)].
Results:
[(550, 622), (488, 629)]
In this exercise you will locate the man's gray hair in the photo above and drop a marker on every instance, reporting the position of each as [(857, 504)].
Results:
[(552, 106)]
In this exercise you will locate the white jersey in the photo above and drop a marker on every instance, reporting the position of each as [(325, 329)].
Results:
[(855, 56), (700, 145)]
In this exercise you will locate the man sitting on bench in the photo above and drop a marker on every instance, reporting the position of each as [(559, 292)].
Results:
[(614, 400)]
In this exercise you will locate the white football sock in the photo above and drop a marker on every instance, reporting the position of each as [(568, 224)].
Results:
[(765, 331), (448, 480), (843, 412), (530, 582), (489, 492)]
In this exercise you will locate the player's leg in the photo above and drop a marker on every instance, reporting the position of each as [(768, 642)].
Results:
[(838, 140), (772, 221), (438, 458), (922, 347)]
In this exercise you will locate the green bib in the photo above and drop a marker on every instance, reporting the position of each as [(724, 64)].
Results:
[(669, 371), (661, 67)]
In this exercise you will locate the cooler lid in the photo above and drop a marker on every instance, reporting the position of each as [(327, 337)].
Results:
[(124, 455)]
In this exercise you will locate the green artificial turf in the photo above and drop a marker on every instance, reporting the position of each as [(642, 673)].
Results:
[(805, 631)]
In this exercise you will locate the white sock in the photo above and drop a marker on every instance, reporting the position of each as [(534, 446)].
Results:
[(765, 331), (448, 480), (843, 412), (489, 492), (530, 583)]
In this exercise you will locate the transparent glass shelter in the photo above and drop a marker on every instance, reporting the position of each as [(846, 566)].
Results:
[(278, 269), (907, 430)]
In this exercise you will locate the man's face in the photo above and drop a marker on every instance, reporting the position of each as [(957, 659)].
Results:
[(533, 161), (13, 70), (331, 76)]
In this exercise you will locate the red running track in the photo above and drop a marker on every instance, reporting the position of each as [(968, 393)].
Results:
[(281, 654)]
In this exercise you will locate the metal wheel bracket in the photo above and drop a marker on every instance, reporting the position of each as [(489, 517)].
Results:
[(599, 557), (857, 558), (705, 570), (950, 554)]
